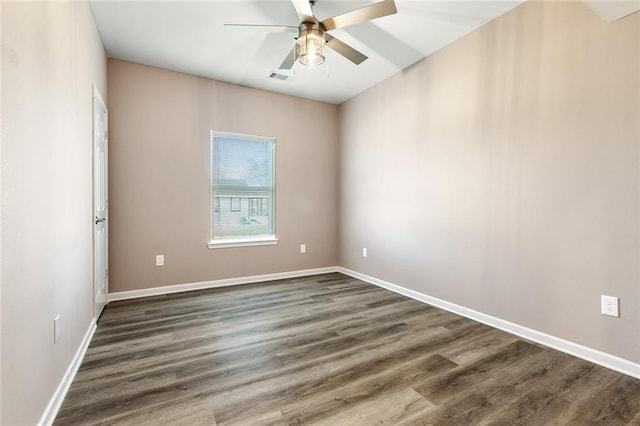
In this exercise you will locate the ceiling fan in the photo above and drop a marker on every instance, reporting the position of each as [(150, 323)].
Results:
[(313, 35)]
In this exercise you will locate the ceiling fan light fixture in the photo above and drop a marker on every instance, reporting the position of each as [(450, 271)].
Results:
[(310, 45), (309, 48)]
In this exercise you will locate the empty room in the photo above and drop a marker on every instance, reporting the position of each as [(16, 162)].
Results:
[(327, 212)]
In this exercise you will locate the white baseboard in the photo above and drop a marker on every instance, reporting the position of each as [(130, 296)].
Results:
[(177, 288), (51, 411), (593, 355)]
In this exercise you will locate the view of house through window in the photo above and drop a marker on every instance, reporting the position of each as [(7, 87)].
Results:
[(242, 185)]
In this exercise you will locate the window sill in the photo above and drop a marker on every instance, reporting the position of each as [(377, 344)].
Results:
[(242, 242)]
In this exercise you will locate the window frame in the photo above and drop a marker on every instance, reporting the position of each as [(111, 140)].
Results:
[(270, 239)]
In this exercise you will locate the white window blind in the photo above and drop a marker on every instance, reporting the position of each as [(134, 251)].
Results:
[(242, 188)]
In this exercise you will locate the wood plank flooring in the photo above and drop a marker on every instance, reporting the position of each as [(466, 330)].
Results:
[(328, 350)]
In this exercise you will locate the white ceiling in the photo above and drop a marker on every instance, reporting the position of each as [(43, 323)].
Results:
[(612, 10), (188, 37)]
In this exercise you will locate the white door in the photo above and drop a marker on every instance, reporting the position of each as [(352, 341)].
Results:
[(100, 240)]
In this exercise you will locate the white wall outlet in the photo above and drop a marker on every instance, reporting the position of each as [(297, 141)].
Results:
[(303, 248), (365, 253), (56, 329), (160, 260), (609, 305)]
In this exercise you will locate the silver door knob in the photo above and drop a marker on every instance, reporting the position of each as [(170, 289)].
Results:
[(100, 219)]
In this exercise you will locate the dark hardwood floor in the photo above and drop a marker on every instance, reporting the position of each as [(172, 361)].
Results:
[(331, 350)]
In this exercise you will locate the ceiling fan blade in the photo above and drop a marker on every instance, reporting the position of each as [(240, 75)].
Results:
[(372, 11), (267, 28), (288, 62), (303, 8), (345, 50)]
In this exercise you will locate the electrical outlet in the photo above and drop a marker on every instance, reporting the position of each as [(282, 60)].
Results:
[(160, 260), (364, 252), (609, 305), (303, 248), (56, 329)]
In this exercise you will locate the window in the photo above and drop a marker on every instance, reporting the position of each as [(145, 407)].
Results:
[(242, 190), (235, 204), (258, 207)]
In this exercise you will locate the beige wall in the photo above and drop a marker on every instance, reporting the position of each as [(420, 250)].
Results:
[(51, 56), (502, 174), (159, 177)]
